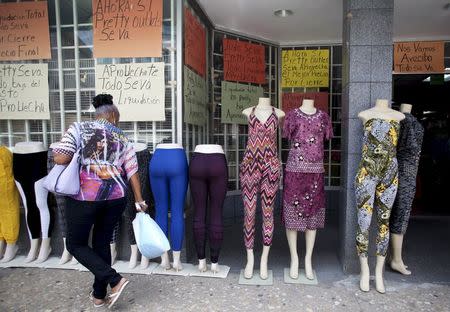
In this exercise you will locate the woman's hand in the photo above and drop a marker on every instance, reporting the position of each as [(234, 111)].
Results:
[(141, 206)]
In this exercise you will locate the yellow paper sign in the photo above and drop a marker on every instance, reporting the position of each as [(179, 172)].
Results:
[(305, 68)]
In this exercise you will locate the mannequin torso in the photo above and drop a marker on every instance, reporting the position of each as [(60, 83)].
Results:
[(209, 149), (29, 147), (381, 110), (169, 146), (263, 110), (139, 147)]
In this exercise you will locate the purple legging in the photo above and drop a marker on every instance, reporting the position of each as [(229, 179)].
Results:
[(208, 176)]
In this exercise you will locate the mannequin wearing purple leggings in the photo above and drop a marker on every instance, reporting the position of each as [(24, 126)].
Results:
[(208, 176)]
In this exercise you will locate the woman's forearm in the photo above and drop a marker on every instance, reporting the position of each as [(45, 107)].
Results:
[(61, 159), (136, 187)]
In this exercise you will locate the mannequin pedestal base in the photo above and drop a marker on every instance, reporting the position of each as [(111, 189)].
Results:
[(223, 272), (256, 279), (301, 278), (188, 269)]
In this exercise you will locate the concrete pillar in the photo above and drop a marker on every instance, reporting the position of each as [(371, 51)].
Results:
[(367, 76)]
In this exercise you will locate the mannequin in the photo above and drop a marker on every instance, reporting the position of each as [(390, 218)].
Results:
[(143, 157), (30, 167), (208, 172), (408, 155), (260, 155), (304, 194), (9, 208), (168, 172), (382, 125)]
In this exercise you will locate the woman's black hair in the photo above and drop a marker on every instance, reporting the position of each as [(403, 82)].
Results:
[(102, 99)]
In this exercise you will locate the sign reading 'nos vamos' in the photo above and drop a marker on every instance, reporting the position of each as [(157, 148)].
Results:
[(419, 57)]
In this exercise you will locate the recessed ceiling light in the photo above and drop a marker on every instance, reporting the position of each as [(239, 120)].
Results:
[(283, 13)]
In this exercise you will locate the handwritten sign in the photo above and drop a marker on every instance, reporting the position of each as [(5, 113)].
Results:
[(294, 100), (127, 28), (243, 61), (305, 68), (419, 57), (195, 110), (138, 89), (235, 98), (24, 31), (24, 91), (194, 43)]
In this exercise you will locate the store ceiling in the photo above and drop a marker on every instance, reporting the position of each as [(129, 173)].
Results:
[(320, 21)]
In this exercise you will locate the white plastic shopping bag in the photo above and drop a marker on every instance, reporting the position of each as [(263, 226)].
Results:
[(150, 239)]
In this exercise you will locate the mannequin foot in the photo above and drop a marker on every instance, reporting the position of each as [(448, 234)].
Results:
[(176, 261), (400, 267), (2, 248), (263, 272), (308, 268), (248, 271), (364, 281), (215, 268), (65, 257), (133, 257), (202, 265), (113, 253), (33, 253), (45, 250), (74, 261), (144, 262), (293, 271), (10, 253), (379, 280), (165, 261)]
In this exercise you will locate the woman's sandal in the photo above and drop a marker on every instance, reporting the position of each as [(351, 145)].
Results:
[(91, 296), (113, 297)]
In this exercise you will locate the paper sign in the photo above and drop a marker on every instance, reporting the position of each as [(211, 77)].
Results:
[(419, 57), (305, 68), (24, 31), (138, 89), (294, 100), (195, 111), (235, 98), (194, 43), (243, 61), (24, 91), (127, 28)]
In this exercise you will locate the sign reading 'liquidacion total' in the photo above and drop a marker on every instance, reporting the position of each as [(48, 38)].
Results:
[(235, 98), (138, 89), (305, 68), (127, 28), (24, 32), (419, 57), (24, 91)]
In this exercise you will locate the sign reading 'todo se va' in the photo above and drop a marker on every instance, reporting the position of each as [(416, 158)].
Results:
[(419, 57)]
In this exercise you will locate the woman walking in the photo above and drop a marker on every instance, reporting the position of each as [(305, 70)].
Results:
[(107, 161)]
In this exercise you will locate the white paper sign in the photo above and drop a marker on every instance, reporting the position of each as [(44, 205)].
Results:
[(138, 89), (195, 109), (24, 91)]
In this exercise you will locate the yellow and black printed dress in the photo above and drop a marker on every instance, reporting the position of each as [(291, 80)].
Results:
[(376, 182), (9, 199)]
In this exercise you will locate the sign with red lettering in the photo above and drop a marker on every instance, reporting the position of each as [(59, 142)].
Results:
[(243, 62), (24, 31), (127, 28), (294, 100), (419, 57), (194, 43)]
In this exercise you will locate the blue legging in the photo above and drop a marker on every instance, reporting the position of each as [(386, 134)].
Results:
[(169, 180)]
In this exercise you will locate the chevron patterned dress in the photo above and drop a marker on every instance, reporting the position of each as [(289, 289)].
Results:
[(260, 173)]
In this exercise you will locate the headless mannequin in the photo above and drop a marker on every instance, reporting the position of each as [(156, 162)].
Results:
[(397, 263), (262, 111), (383, 111), (165, 259), (45, 249), (8, 253), (138, 147), (310, 235), (208, 149)]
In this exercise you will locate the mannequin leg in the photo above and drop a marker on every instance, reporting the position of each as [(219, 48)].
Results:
[(113, 252), (379, 281), (33, 252), (200, 199), (202, 265), (41, 201), (397, 261), (263, 272), (134, 256), (66, 256), (248, 272), (215, 268), (44, 251), (365, 274), (292, 241), (10, 252), (177, 261), (310, 238), (165, 261), (144, 262)]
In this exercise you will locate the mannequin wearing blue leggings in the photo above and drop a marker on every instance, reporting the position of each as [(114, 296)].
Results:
[(168, 172)]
